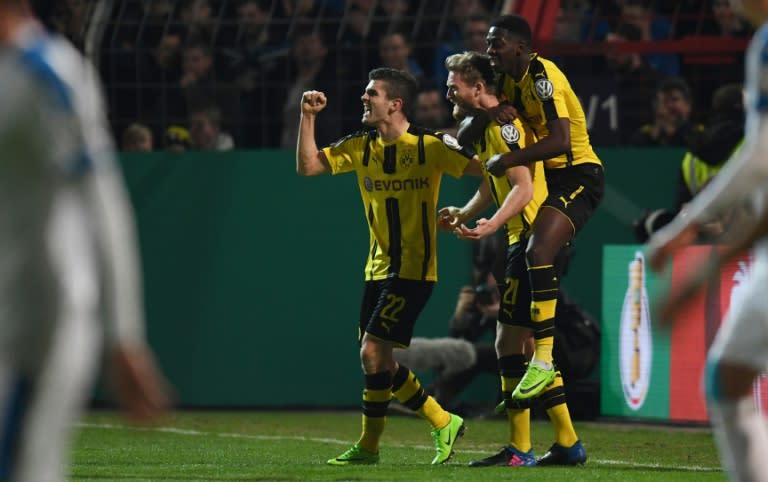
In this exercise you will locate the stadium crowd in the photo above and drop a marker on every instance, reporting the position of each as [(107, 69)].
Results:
[(218, 74)]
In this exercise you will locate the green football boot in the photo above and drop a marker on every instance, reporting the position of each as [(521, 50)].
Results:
[(446, 437), (356, 455), (534, 381)]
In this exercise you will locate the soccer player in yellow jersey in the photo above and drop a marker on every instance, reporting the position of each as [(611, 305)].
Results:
[(539, 94), (518, 195), (399, 168)]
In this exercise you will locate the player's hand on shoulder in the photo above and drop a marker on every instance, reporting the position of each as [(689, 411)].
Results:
[(472, 128), (503, 113), (313, 101)]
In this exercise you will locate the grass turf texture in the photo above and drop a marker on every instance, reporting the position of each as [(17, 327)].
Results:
[(274, 446)]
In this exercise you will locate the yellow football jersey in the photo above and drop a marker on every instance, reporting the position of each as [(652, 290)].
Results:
[(399, 183), (498, 140), (544, 94)]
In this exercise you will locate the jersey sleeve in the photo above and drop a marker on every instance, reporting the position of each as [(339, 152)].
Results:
[(344, 153), (451, 157), (550, 92)]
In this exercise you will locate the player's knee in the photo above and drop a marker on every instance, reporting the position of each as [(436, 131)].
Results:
[(373, 356), (538, 255)]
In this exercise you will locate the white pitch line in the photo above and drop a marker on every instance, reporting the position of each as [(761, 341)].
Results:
[(180, 431)]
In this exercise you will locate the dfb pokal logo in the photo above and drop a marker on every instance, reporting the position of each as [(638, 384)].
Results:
[(635, 339)]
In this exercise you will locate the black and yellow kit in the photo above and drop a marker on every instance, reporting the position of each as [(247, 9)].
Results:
[(542, 95), (574, 179), (515, 288), (399, 183)]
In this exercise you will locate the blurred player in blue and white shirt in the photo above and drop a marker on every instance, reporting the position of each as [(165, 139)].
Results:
[(740, 351), (68, 255)]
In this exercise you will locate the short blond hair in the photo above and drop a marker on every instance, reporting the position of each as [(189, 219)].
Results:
[(474, 67), (135, 133)]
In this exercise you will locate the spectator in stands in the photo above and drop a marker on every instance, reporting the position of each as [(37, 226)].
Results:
[(71, 20), (157, 76), (473, 34), (144, 29), (729, 24), (200, 84), (287, 15), (653, 27), (176, 139), (395, 51), (710, 148), (635, 80), (707, 73), (354, 42), (708, 151), (432, 111), (136, 138), (311, 69), (569, 25), (251, 59), (672, 124), (393, 16), (197, 66), (205, 132), (196, 17), (253, 51)]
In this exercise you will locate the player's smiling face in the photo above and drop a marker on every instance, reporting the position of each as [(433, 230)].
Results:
[(460, 92), (376, 105), (504, 49)]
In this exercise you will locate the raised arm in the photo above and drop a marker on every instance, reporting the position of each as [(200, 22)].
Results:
[(310, 161)]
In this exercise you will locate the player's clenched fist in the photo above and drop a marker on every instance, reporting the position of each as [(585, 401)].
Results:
[(313, 102)]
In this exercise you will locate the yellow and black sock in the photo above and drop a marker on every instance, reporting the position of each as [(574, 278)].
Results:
[(544, 290), (512, 369), (553, 400), (376, 397), (407, 389)]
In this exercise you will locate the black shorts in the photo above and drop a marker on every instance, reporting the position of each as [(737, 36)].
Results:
[(391, 306), (575, 191), (515, 306)]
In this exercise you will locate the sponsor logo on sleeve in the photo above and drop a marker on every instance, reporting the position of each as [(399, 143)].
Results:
[(510, 134), (544, 89)]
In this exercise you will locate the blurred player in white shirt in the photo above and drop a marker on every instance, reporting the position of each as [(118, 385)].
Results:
[(68, 257), (740, 351)]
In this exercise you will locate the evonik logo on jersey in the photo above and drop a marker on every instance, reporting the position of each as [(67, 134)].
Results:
[(396, 184)]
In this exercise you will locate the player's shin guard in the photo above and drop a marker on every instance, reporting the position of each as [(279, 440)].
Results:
[(552, 400), (740, 432), (408, 391), (511, 369), (376, 397), (544, 290)]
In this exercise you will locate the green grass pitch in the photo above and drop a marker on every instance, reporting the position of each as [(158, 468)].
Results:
[(275, 446)]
